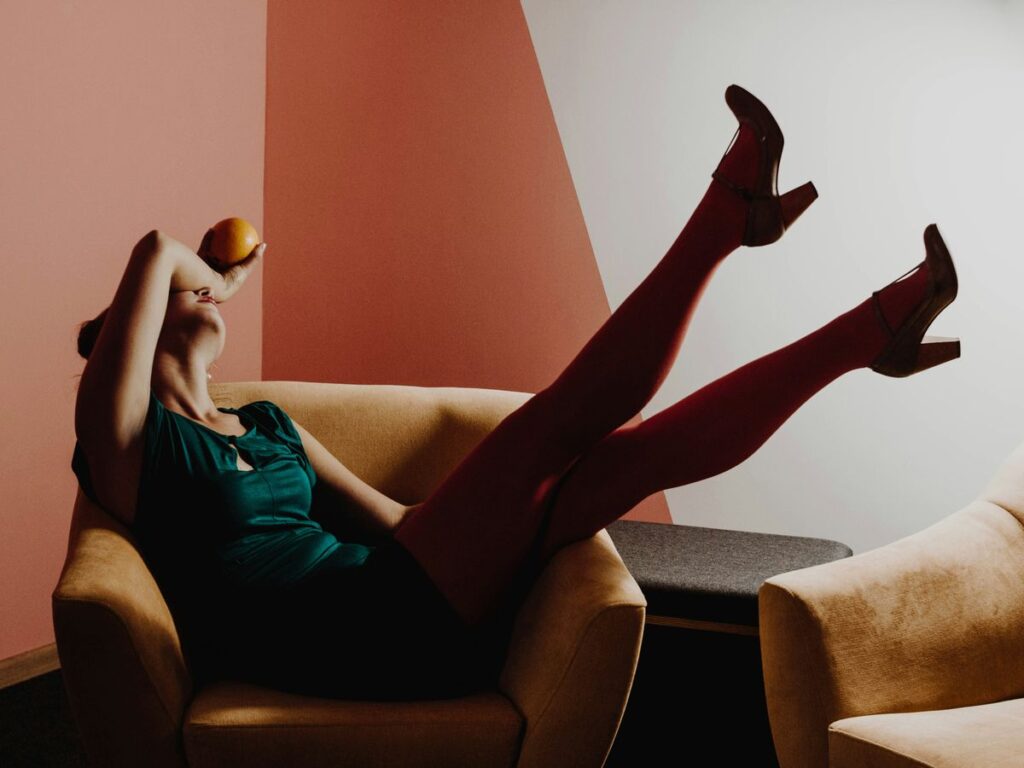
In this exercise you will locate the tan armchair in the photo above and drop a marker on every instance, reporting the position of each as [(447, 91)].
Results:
[(562, 691), (910, 654)]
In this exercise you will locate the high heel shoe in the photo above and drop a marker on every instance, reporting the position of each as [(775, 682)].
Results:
[(769, 215), (909, 351)]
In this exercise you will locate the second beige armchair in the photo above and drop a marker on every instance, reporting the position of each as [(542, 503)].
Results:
[(910, 654)]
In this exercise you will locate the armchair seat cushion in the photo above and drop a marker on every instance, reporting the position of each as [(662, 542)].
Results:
[(991, 735), (230, 723)]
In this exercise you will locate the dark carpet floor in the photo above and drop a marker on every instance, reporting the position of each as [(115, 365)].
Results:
[(36, 725)]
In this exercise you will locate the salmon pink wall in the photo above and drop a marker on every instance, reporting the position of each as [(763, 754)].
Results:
[(422, 222), (119, 117)]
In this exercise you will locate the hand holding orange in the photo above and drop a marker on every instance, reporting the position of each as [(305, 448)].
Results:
[(228, 242)]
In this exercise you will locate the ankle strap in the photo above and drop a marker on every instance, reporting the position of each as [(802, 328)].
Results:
[(878, 303), (747, 194), (878, 311)]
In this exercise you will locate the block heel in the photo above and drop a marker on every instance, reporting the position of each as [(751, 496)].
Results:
[(796, 201), (935, 350)]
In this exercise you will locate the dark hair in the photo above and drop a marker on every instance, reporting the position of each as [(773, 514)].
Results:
[(88, 332)]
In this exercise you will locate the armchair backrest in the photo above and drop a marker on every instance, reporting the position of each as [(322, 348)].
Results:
[(1005, 487), (401, 439), (121, 656)]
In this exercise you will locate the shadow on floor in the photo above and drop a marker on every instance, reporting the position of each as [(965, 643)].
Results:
[(36, 725)]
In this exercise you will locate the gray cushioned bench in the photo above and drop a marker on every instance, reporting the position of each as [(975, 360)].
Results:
[(699, 686)]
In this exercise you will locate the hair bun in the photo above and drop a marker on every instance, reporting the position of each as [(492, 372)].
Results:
[(88, 332)]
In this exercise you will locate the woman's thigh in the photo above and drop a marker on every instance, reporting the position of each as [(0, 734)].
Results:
[(473, 534)]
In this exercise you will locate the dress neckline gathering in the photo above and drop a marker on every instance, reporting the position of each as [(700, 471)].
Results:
[(251, 425)]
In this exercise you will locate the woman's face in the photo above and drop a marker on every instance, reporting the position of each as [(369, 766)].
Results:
[(193, 319)]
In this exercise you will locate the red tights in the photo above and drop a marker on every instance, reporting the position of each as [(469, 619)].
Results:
[(562, 466)]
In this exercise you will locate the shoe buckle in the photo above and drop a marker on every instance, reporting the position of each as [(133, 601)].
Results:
[(747, 194)]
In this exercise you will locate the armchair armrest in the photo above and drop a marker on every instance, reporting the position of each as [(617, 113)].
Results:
[(573, 654), (931, 621), (121, 658)]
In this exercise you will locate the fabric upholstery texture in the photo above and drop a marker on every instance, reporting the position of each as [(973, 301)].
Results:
[(866, 657), (561, 695), (986, 735)]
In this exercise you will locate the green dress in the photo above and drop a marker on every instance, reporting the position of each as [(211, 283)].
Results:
[(260, 591)]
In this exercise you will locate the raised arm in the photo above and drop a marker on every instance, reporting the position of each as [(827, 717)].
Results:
[(113, 393)]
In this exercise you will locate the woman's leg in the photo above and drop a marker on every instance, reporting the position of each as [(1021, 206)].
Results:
[(721, 424), (472, 535)]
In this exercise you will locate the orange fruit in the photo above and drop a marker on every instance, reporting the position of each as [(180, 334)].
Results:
[(232, 240)]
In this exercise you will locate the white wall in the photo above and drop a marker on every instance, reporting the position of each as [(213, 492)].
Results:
[(902, 114)]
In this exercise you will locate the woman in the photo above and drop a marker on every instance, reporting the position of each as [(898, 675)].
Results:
[(221, 499)]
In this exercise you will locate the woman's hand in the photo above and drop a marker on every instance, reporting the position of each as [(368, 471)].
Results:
[(232, 277)]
